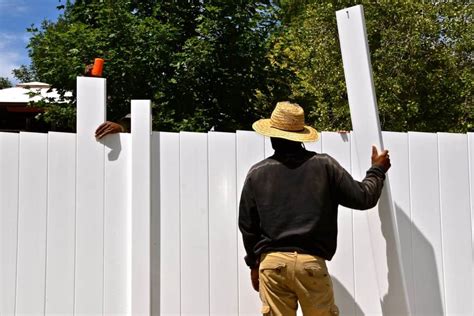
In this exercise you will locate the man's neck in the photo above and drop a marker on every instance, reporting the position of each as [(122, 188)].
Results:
[(283, 146)]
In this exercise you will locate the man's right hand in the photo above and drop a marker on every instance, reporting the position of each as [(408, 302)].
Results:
[(382, 160), (254, 277)]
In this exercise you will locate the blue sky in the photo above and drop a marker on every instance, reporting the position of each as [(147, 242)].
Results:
[(15, 17)]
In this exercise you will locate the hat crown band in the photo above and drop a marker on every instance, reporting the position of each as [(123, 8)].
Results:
[(291, 126)]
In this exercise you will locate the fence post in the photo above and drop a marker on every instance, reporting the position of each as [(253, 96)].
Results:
[(367, 131), (141, 208)]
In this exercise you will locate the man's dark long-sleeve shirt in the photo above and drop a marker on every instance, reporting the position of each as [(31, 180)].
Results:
[(289, 203)]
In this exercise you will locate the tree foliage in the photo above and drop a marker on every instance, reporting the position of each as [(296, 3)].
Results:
[(24, 74), (5, 83), (222, 64), (421, 58), (200, 62)]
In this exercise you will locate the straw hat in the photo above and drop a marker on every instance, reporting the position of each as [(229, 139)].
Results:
[(287, 121)]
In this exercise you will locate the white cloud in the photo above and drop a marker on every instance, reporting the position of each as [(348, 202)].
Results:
[(8, 62), (13, 7), (10, 57)]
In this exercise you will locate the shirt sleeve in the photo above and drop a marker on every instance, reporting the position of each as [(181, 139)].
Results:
[(249, 223), (358, 195)]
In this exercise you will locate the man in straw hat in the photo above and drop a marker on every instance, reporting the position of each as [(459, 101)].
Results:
[(288, 215)]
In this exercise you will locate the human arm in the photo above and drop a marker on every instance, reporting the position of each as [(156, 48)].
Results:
[(365, 194), (249, 225)]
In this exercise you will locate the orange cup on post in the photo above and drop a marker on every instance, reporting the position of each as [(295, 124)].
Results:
[(98, 67)]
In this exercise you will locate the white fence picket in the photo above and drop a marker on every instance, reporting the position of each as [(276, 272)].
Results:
[(222, 224), (116, 224), (194, 224), (341, 268), (89, 268), (455, 222), (32, 214), (170, 223), (365, 281), (141, 243), (399, 173), (315, 146), (426, 219), (470, 137), (268, 147), (61, 224), (250, 150), (155, 225), (9, 164)]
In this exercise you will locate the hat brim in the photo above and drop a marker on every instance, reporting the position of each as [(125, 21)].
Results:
[(263, 127)]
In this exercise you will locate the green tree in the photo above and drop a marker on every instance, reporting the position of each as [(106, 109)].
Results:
[(5, 83), (422, 58), (202, 63), (24, 74)]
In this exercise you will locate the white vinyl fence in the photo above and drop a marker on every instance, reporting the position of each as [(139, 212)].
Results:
[(146, 223)]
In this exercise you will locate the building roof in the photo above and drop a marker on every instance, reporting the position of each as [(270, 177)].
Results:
[(20, 93)]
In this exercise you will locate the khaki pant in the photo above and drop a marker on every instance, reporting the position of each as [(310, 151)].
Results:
[(289, 277)]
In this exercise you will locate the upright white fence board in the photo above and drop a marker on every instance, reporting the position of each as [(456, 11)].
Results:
[(155, 222), (470, 137), (89, 272), (61, 224), (455, 223), (32, 213), (9, 162), (194, 224), (365, 281), (222, 224), (141, 208), (250, 150), (366, 126), (341, 268), (269, 151), (116, 229), (170, 223), (397, 144), (315, 146), (426, 229)]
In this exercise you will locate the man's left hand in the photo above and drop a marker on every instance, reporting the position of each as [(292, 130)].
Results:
[(255, 279)]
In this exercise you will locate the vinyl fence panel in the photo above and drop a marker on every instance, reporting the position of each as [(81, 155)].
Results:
[(32, 214), (117, 204), (61, 224), (222, 224), (250, 150), (341, 268), (89, 269), (366, 131), (471, 180), (170, 226), (141, 242), (399, 174), (455, 222), (9, 167), (194, 224), (155, 225), (365, 282), (428, 268), (56, 255)]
